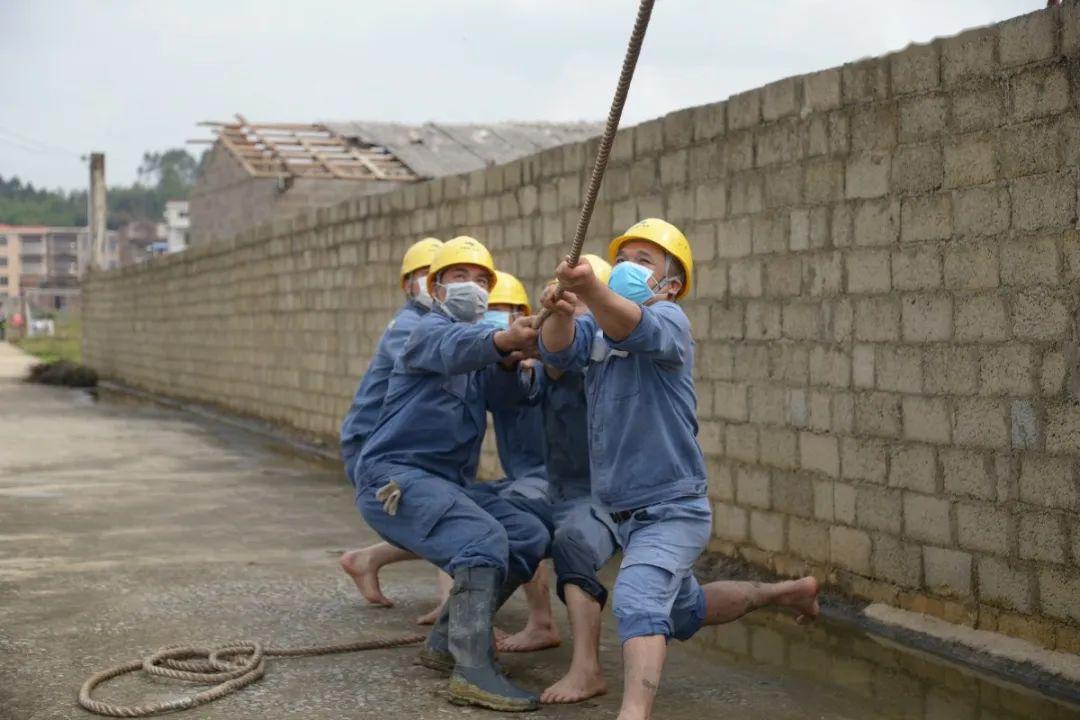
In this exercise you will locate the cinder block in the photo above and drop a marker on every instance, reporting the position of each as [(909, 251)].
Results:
[(1042, 537), (762, 320), (730, 401), (862, 361), (706, 162), (823, 181), (1052, 373), (947, 572), (821, 90), (779, 448), (823, 273), (769, 233), (1029, 148), (923, 117), (913, 467), (969, 160), (808, 539), (733, 238), (868, 271), (789, 363), (878, 508), (1030, 262), (981, 211), (927, 318), (1070, 30), (830, 367), (753, 488), (867, 175), (1063, 428), (739, 155), (898, 369), (741, 443), (927, 217), (783, 276), (730, 522), (877, 319), (897, 561), (865, 80), (917, 168), (927, 420), (916, 68), (751, 362), (710, 201), (1049, 482), (968, 56), (984, 528), (1008, 370), (981, 318), (819, 453), (1039, 92), (873, 127), (823, 499), (802, 321), (820, 407), (1027, 38), (744, 110), (767, 530), (842, 227), (767, 404), (744, 278), (839, 317), (1039, 314), (863, 460), (850, 548), (1058, 592), (980, 422), (877, 222), (715, 360), (878, 414), (916, 268), (1003, 585), (709, 121), (1044, 201), (980, 108), (927, 518), (793, 494), (721, 480), (971, 266)]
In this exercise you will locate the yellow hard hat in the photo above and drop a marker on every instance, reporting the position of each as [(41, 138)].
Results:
[(667, 236), (600, 267), (462, 250), (419, 255), (509, 291)]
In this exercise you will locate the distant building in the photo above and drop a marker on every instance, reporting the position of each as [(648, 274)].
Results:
[(177, 224), (262, 172), (41, 264)]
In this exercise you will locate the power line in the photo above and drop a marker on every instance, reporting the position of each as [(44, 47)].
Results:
[(27, 143)]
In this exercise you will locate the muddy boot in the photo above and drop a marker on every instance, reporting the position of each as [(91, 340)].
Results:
[(436, 652), (476, 680)]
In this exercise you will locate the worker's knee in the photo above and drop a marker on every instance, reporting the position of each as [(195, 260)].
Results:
[(529, 540), (688, 614), (575, 563), (644, 595)]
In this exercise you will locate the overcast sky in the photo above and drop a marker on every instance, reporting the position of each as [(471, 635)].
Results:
[(124, 76)]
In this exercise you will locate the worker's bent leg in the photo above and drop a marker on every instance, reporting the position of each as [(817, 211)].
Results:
[(725, 601), (445, 582), (580, 546), (539, 632), (527, 535)]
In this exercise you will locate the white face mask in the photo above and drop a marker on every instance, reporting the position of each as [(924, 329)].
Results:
[(465, 301), (423, 298)]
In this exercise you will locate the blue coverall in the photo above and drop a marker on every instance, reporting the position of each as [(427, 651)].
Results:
[(427, 438), (368, 400), (647, 468), (519, 439)]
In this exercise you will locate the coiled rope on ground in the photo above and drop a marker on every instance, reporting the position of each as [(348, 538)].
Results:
[(231, 665)]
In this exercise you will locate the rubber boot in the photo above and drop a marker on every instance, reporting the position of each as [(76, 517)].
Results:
[(476, 680), (436, 652)]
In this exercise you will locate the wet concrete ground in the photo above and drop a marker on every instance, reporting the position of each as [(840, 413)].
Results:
[(125, 526)]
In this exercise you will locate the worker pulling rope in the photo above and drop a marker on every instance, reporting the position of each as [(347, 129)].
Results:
[(232, 665), (633, 49), (238, 664)]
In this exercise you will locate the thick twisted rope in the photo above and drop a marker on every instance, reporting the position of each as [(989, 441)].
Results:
[(232, 666), (633, 49)]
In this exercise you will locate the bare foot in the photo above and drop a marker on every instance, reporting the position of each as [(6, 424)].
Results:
[(500, 635), (574, 687), (430, 617), (802, 598), (365, 574), (531, 638)]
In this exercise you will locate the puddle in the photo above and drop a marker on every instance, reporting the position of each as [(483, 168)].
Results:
[(873, 677)]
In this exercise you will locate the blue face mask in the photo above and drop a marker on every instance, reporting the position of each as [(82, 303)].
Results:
[(497, 318), (631, 281)]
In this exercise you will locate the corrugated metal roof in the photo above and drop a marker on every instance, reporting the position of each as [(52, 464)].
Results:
[(436, 149)]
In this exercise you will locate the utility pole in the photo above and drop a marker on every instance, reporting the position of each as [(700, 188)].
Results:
[(95, 217)]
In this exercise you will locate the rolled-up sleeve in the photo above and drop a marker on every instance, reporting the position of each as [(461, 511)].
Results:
[(662, 335), (576, 355)]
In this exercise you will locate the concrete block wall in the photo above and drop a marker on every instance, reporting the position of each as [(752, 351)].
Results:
[(884, 309)]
